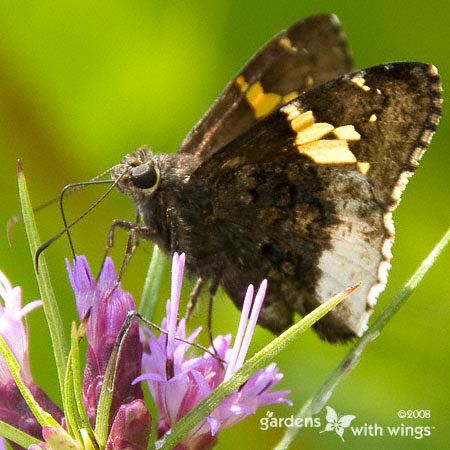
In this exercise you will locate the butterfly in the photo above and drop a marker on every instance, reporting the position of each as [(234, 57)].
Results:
[(292, 175)]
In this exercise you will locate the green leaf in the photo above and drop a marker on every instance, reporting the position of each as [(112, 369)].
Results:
[(15, 435), (258, 361), (77, 385), (317, 401), (152, 285), (105, 400), (51, 310), (70, 410), (43, 417)]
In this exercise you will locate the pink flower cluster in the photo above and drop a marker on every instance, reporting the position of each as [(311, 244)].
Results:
[(177, 380)]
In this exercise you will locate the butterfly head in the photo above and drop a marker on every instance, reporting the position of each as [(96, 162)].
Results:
[(138, 174)]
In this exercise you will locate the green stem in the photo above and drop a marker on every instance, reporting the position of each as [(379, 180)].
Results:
[(318, 400), (51, 310), (15, 435), (152, 285), (258, 361), (107, 391)]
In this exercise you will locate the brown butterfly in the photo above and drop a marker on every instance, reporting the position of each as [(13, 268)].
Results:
[(292, 175)]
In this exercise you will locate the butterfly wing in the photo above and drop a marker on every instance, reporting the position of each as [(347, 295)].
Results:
[(309, 53), (305, 197)]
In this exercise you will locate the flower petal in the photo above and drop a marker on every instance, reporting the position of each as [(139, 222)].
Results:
[(109, 310), (131, 427)]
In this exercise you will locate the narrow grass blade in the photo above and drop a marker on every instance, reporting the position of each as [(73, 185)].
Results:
[(105, 401), (77, 384), (43, 417), (15, 435), (152, 285), (258, 361), (315, 404), (51, 310), (70, 409)]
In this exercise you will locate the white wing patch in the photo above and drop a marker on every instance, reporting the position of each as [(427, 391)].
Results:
[(359, 253)]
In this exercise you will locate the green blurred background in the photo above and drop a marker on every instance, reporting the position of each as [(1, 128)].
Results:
[(82, 83)]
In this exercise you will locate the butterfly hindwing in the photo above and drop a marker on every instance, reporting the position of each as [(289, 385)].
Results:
[(305, 196), (309, 53)]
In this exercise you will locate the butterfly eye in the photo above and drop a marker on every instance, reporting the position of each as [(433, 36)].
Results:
[(144, 176)]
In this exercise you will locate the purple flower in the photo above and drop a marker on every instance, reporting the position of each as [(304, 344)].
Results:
[(131, 427), (105, 307), (13, 329), (108, 307), (178, 383)]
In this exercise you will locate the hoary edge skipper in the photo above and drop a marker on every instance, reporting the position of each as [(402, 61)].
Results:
[(292, 175)]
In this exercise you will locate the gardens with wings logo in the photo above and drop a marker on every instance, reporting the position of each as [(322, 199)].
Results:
[(408, 424)]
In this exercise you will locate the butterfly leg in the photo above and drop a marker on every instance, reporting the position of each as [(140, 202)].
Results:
[(117, 223), (194, 296), (132, 244), (136, 233)]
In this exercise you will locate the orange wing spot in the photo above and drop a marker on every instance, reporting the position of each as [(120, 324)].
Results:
[(347, 132), (313, 133), (287, 44), (262, 103), (363, 167), (241, 83), (361, 83), (302, 121), (328, 151), (334, 149), (288, 97)]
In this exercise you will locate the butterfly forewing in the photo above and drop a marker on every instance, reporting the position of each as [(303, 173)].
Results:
[(305, 196), (309, 53)]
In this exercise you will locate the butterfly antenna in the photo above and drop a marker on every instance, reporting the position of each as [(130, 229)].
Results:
[(46, 244), (67, 190), (13, 220)]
